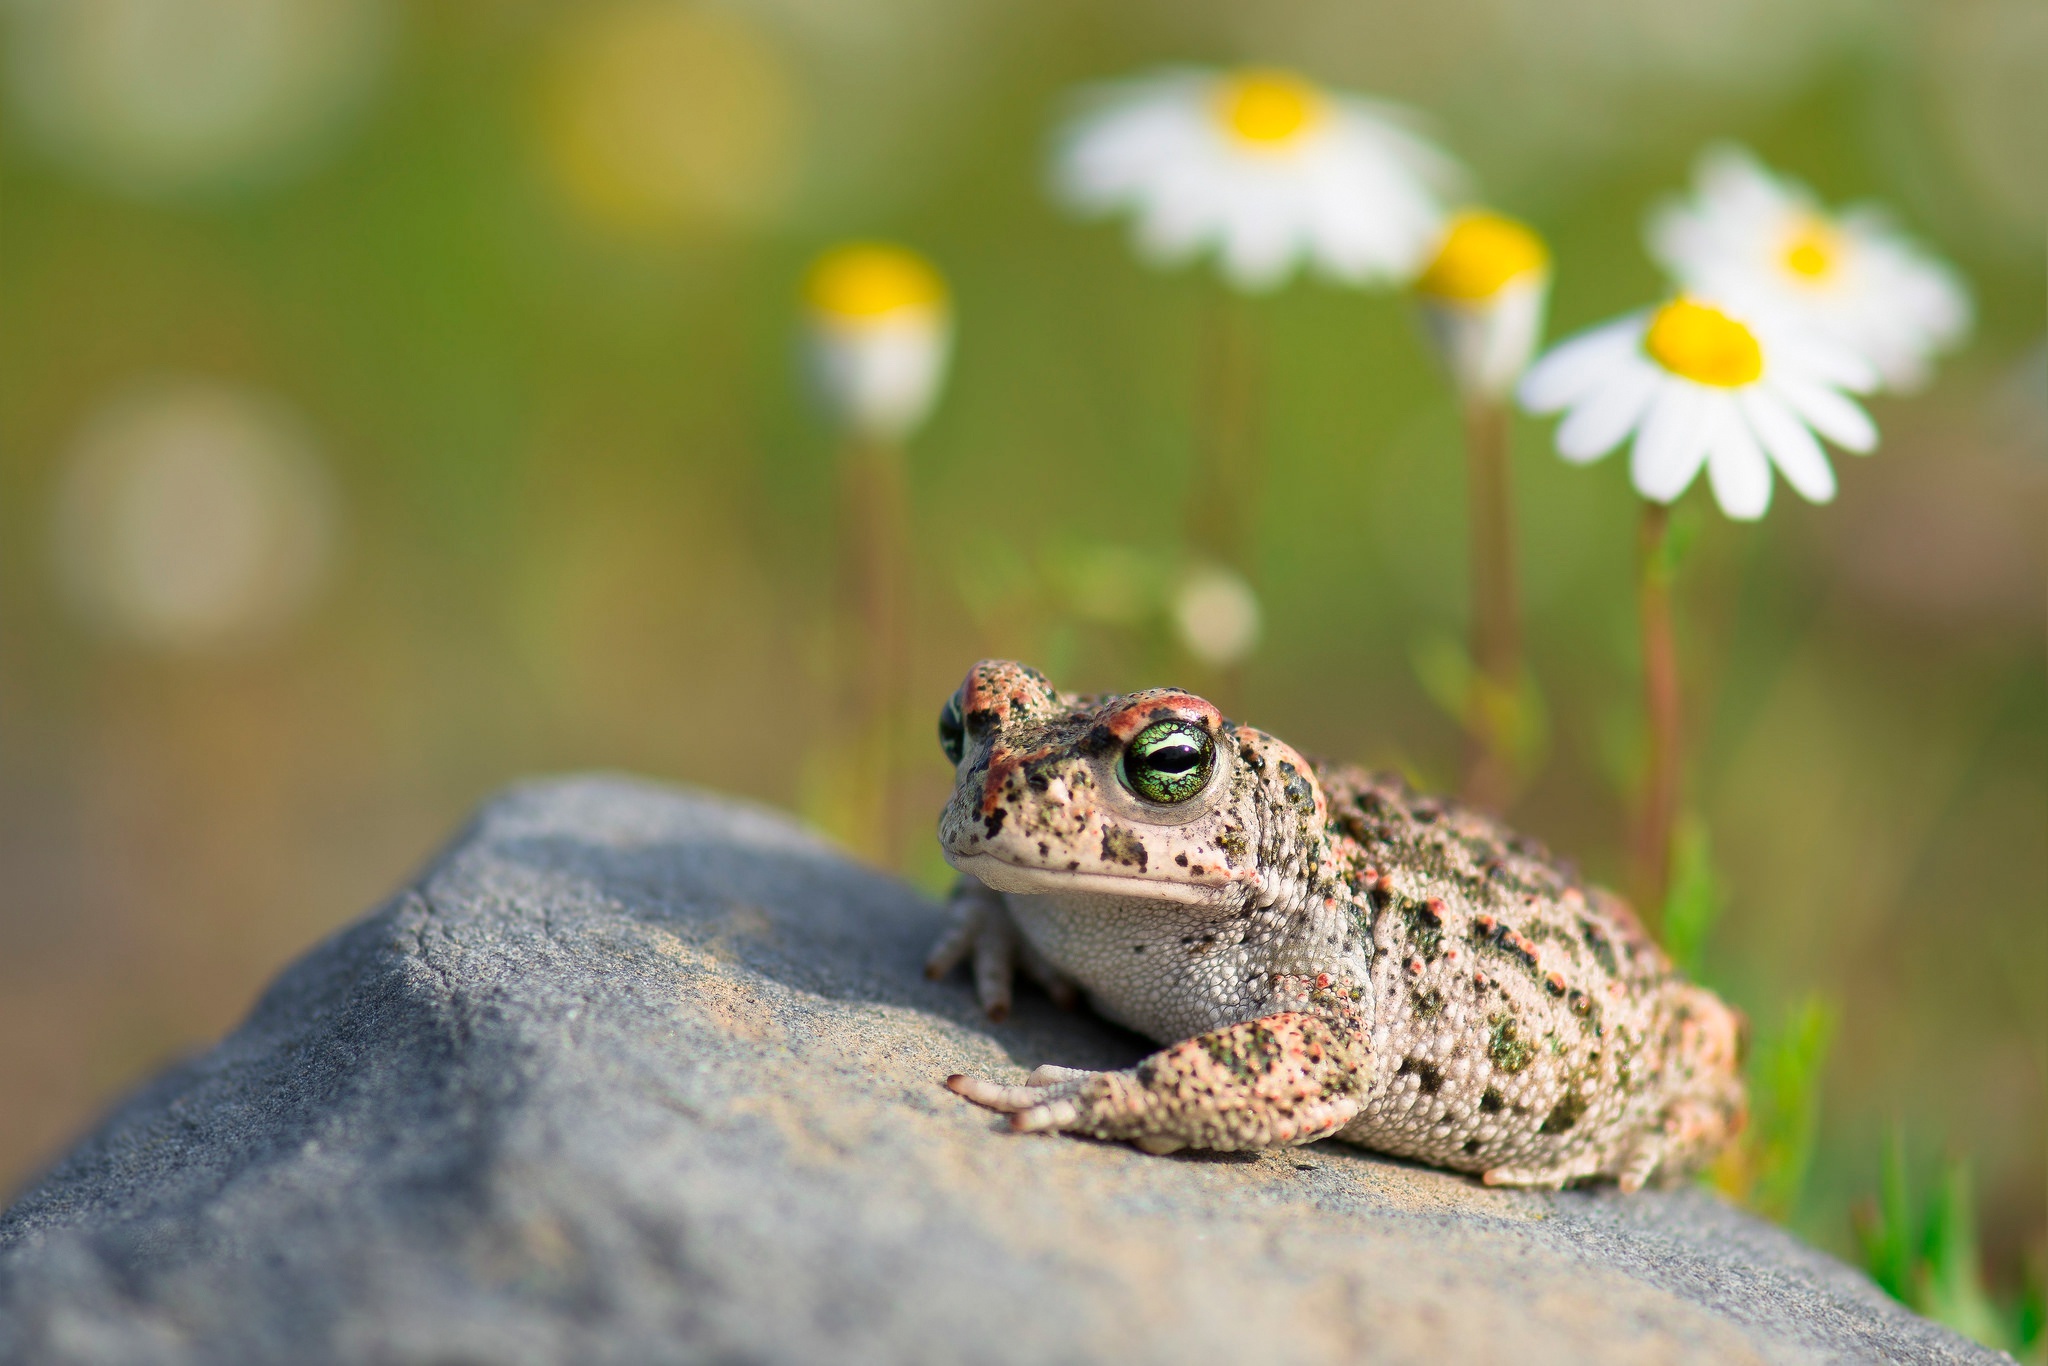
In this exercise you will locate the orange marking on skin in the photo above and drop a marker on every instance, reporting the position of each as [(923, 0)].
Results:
[(1001, 765), (1139, 710)]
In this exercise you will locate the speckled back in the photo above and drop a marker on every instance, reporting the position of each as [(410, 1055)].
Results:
[(1519, 1016)]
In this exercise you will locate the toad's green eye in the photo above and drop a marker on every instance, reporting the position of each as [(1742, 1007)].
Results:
[(1169, 761), (952, 730)]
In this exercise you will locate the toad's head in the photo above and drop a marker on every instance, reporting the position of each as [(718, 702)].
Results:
[(1150, 795)]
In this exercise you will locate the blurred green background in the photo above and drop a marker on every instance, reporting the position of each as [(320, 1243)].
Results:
[(496, 300)]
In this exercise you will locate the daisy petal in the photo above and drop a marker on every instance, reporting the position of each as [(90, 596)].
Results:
[(1258, 243), (1833, 364), (1672, 442), (1575, 366), (1736, 466), (1174, 223), (1605, 416), (1790, 445), (1834, 415)]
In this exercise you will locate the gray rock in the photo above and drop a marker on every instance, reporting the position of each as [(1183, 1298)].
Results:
[(636, 1075)]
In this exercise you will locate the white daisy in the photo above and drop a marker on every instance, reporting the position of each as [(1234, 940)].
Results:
[(1265, 167), (1698, 385), (879, 328), (1483, 296), (1764, 241)]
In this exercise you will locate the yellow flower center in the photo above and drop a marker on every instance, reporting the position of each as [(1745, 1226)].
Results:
[(1814, 250), (866, 280), (1268, 109), (1701, 343), (1481, 252)]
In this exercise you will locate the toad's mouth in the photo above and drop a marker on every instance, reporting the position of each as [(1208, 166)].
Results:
[(1003, 876)]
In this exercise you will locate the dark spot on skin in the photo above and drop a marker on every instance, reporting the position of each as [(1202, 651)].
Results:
[(1042, 849), (1505, 1045), (1251, 759), (1072, 864), (1471, 1146), (1432, 1078), (1137, 948), (1492, 936), (1429, 1004), (1564, 1114), (1490, 1102), (1099, 740), (993, 821), (1425, 929), (1247, 1056), (1181, 859), (1602, 947), (1121, 846)]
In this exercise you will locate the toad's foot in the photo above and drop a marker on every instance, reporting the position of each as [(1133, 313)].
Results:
[(983, 932), (1281, 1080)]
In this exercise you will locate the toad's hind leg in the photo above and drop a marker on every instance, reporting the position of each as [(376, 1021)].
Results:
[(1531, 1178), (1282, 1079), (1631, 1167)]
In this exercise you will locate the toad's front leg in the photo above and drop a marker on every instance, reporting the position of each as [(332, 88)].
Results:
[(983, 935), (1278, 1080)]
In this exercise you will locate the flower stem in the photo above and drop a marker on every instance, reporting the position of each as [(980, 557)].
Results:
[(1223, 508), (1494, 718), (1661, 707), (1224, 513), (874, 584)]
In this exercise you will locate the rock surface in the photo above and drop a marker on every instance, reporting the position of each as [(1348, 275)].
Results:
[(635, 1075)]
